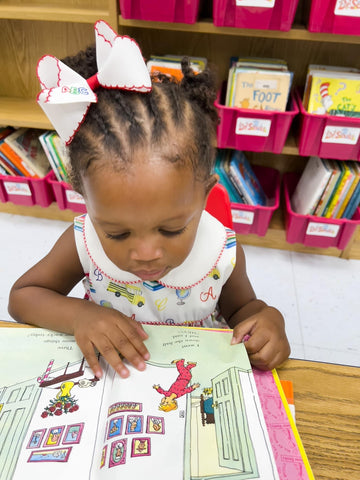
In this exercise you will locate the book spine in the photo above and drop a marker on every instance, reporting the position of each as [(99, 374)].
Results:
[(239, 185), (17, 161), (337, 195), (353, 204), (49, 155)]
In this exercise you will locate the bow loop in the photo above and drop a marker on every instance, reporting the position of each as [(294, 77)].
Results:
[(66, 96)]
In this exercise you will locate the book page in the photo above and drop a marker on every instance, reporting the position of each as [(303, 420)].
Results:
[(193, 414)]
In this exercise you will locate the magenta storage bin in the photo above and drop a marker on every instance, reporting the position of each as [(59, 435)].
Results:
[(315, 231), (254, 130), (279, 17), (65, 196), (328, 136), (26, 191), (334, 16), (180, 11), (255, 219)]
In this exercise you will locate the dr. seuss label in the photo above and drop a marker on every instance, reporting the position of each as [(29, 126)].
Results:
[(242, 216), (322, 229), (74, 197), (14, 188), (252, 126), (348, 8), (255, 3), (343, 135)]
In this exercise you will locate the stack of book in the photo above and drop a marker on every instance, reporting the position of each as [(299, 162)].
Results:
[(238, 177), (56, 154), (259, 84), (332, 90), (170, 65), (328, 188), (21, 153)]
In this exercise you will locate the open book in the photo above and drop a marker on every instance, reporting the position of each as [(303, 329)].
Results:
[(195, 413)]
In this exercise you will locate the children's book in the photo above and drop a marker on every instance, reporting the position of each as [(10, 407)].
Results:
[(341, 185), (56, 153), (311, 186), (224, 179), (347, 189), (259, 89), (17, 161), (356, 170), (245, 180), (335, 174), (25, 142), (170, 65), (353, 203), (335, 93), (198, 411)]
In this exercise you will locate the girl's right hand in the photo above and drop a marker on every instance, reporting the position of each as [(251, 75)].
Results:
[(114, 335)]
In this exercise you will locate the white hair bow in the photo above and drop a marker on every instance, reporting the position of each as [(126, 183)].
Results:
[(66, 96)]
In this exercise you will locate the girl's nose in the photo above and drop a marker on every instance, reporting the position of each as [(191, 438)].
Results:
[(145, 250)]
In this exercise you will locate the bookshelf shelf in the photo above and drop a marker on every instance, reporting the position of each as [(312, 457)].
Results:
[(298, 32), (64, 27)]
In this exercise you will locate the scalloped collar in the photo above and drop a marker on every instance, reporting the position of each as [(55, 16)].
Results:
[(209, 244)]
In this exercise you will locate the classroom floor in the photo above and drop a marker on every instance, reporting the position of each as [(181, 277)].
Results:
[(317, 294)]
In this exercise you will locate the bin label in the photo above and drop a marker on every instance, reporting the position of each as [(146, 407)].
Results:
[(322, 229), (252, 126), (74, 197), (340, 134), (255, 3), (348, 8), (242, 216), (17, 188)]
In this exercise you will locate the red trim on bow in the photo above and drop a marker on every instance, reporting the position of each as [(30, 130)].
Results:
[(93, 82)]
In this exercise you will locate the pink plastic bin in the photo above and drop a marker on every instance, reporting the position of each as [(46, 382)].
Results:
[(65, 196), (255, 219), (26, 191), (323, 18), (315, 231), (279, 17), (254, 130), (328, 136), (180, 11)]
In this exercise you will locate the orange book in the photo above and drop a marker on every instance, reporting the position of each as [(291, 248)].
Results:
[(17, 161)]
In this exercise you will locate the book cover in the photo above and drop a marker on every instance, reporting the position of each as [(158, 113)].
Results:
[(25, 142), (353, 203), (225, 181), (334, 93), (335, 173), (310, 186), (356, 171), (261, 89), (75, 425), (17, 161), (245, 180), (347, 191), (50, 155), (339, 189)]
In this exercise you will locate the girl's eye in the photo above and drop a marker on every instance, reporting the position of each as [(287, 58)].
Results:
[(172, 233), (120, 236)]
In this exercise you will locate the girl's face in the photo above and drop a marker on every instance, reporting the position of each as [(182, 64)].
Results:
[(147, 217)]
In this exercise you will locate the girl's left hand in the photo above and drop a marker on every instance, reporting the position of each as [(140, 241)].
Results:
[(264, 337)]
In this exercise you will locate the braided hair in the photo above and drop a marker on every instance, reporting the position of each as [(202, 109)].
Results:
[(176, 120)]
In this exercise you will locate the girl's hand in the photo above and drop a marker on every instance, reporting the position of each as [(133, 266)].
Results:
[(114, 335), (264, 337)]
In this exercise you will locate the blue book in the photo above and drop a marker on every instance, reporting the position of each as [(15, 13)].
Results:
[(353, 203), (225, 181), (245, 180)]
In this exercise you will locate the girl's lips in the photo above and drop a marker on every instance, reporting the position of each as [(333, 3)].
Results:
[(152, 275)]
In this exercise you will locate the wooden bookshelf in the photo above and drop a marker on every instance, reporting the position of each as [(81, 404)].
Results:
[(30, 29)]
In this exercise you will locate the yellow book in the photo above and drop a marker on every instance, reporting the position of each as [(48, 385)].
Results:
[(334, 93), (356, 171), (336, 197)]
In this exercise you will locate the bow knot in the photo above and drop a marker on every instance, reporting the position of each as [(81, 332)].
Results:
[(66, 96)]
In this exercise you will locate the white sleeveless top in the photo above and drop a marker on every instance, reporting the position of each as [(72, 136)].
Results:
[(187, 295)]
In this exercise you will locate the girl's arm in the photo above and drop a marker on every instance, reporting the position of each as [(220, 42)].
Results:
[(39, 297), (260, 326)]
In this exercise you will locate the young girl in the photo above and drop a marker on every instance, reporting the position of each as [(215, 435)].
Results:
[(142, 156)]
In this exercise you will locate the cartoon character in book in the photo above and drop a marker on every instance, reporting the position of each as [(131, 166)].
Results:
[(178, 388)]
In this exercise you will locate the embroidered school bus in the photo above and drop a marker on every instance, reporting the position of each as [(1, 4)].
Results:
[(215, 274), (132, 293)]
